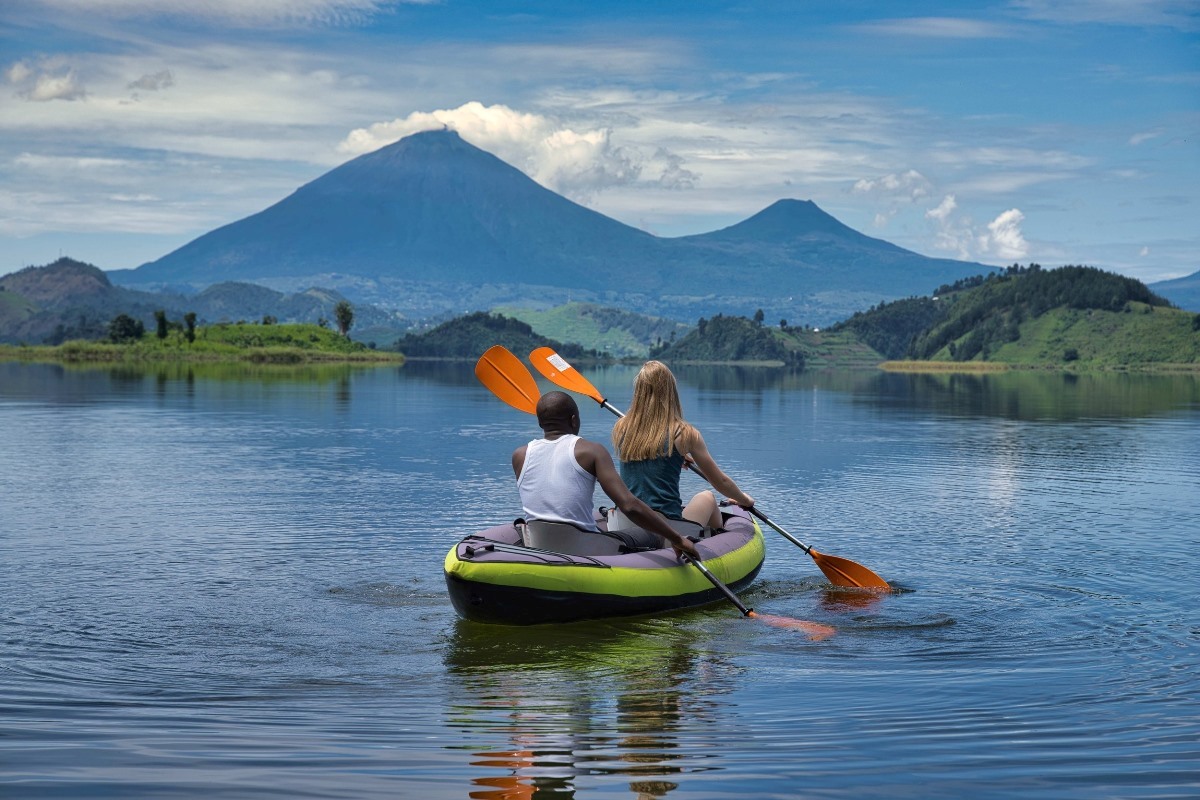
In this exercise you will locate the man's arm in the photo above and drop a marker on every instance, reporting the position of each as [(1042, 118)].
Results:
[(596, 460), (518, 460)]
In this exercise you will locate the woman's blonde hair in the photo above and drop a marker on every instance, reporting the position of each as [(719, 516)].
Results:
[(655, 416)]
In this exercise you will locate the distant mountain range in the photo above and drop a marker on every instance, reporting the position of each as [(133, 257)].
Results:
[(432, 224), (1183, 292)]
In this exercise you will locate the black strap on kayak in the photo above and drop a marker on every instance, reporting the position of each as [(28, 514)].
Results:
[(546, 556)]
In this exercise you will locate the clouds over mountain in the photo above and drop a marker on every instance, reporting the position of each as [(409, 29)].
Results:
[(575, 162)]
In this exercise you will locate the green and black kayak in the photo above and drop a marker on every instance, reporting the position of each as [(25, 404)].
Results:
[(492, 576)]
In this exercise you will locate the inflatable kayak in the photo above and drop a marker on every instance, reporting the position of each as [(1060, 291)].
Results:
[(504, 575)]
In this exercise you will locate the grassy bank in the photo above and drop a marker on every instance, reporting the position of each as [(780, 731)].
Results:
[(256, 344), (944, 366)]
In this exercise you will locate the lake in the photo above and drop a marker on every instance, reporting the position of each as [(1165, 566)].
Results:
[(227, 582)]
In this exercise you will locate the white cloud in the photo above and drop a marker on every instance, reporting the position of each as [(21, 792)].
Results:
[(910, 185), (1181, 14), (47, 81), (575, 163), (943, 210), (234, 12), (55, 87), (956, 233), (953, 233), (1141, 138), (939, 28), (66, 165), (18, 72), (1004, 238)]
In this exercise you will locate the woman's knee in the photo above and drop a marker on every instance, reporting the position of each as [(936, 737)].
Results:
[(702, 508)]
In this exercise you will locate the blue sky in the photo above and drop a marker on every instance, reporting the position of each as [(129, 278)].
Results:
[(1055, 131)]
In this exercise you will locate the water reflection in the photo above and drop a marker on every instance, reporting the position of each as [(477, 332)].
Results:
[(1039, 396), (449, 373), (592, 699)]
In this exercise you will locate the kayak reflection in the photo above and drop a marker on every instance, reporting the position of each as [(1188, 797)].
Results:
[(565, 705)]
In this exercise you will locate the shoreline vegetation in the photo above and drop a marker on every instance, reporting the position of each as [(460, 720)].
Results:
[(281, 344)]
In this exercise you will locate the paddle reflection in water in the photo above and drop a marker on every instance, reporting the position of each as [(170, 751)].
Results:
[(593, 700)]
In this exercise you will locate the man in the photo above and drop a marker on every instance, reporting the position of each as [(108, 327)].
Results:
[(557, 476)]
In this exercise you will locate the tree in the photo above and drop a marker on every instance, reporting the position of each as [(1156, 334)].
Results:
[(759, 317), (125, 328), (343, 312), (268, 319), (189, 322), (160, 319)]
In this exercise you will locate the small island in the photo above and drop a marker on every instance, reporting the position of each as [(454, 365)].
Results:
[(266, 342)]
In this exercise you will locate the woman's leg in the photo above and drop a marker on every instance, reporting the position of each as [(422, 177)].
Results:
[(703, 510)]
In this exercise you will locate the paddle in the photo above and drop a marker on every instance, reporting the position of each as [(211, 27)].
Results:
[(840, 571), (502, 372), (507, 378)]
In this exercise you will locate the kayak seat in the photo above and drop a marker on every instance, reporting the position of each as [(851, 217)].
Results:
[(562, 537), (618, 522)]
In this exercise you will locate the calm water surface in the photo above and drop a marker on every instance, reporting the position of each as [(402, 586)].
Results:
[(227, 583)]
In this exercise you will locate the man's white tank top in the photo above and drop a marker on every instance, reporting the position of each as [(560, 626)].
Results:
[(553, 486)]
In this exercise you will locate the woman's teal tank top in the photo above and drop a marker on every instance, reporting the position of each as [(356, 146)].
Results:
[(655, 481)]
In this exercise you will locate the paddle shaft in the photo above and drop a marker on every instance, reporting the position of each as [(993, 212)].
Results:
[(780, 530), (725, 590)]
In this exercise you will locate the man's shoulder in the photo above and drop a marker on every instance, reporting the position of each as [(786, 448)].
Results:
[(594, 450)]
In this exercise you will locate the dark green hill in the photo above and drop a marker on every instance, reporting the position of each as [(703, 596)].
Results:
[(981, 320), (469, 336), (1027, 315), (730, 339)]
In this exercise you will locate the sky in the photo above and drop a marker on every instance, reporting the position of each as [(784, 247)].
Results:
[(1015, 131)]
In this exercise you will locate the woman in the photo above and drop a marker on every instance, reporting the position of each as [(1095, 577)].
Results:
[(653, 442)]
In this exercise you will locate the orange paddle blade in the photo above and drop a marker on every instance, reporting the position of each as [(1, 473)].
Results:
[(815, 630), (556, 368), (509, 379), (844, 572)]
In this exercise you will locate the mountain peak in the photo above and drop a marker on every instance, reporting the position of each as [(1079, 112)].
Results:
[(784, 220), (57, 282)]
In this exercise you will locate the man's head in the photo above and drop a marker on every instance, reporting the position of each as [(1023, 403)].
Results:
[(557, 413)]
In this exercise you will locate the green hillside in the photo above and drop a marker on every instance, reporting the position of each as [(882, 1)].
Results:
[(469, 336), (1144, 334), (1029, 316), (830, 349), (725, 339), (620, 334)]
